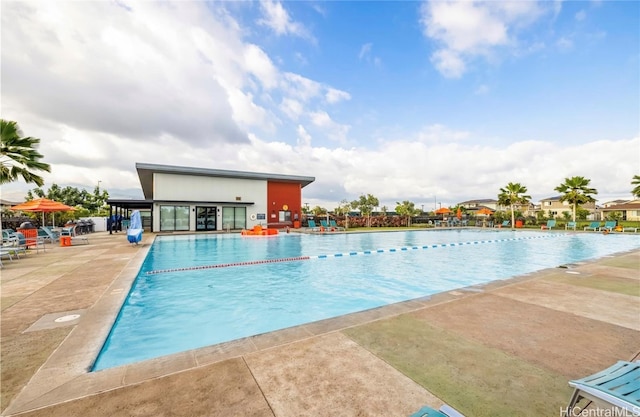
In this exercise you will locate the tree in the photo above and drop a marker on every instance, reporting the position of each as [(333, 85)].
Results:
[(343, 208), (73, 197), (512, 194), (407, 209), (636, 189), (576, 191), (366, 204), (18, 155)]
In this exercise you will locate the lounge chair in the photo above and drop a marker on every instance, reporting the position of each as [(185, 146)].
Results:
[(334, 225), (593, 226), (445, 411), (31, 242), (6, 252), (51, 235), (312, 225), (618, 385), (570, 225), (608, 226), (550, 225), (323, 223), (634, 229), (503, 224), (15, 243)]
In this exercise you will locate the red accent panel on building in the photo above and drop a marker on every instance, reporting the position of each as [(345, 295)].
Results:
[(279, 195)]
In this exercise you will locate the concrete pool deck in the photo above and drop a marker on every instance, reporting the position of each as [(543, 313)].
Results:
[(540, 329)]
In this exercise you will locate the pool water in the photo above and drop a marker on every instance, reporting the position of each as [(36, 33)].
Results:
[(197, 290)]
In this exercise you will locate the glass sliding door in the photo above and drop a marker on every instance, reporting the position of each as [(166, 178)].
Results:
[(227, 218), (174, 218), (240, 218), (167, 218), (234, 218), (182, 218)]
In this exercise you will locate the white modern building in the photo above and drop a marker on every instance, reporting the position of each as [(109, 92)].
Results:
[(202, 199)]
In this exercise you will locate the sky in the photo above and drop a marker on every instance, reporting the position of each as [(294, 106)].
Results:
[(432, 102)]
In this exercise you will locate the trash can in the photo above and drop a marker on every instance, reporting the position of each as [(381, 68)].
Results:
[(518, 223), (30, 233), (296, 224), (65, 240)]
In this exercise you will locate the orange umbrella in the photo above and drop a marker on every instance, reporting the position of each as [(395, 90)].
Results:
[(485, 210), (41, 204), (459, 214), (442, 210)]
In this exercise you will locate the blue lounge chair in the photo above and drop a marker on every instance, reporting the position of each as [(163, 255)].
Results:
[(618, 385), (608, 226), (334, 225), (445, 411), (312, 225), (323, 223), (550, 224), (593, 226), (134, 232), (49, 234), (570, 225), (503, 224)]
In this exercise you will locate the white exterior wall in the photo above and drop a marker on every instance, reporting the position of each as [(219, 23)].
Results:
[(197, 190)]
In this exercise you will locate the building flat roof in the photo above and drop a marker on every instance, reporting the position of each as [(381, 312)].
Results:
[(146, 171)]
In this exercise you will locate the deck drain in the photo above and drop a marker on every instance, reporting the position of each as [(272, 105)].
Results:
[(67, 318)]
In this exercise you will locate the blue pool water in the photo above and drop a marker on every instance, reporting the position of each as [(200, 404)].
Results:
[(251, 285)]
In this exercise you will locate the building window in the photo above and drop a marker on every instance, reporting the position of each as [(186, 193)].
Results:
[(284, 216), (173, 218)]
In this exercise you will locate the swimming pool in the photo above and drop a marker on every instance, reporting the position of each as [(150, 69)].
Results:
[(198, 290)]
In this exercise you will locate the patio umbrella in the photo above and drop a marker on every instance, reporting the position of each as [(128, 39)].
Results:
[(485, 211), (459, 214), (41, 204), (442, 210)]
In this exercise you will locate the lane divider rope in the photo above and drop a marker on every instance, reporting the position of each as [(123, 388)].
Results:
[(346, 254)]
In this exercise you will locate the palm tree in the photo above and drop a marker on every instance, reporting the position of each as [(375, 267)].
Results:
[(576, 191), (512, 194), (636, 189), (18, 155)]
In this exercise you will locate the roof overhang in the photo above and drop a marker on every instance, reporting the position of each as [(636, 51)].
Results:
[(130, 204), (146, 171)]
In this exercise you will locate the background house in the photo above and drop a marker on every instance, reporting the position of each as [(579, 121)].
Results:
[(553, 207), (630, 210)]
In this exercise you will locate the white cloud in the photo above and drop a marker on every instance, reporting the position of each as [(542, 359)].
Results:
[(334, 96), (301, 87), (334, 131), (365, 51), (276, 17), (465, 30)]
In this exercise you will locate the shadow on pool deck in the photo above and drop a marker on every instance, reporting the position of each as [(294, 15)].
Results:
[(486, 350)]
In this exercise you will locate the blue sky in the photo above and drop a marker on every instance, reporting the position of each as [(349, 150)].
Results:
[(423, 101)]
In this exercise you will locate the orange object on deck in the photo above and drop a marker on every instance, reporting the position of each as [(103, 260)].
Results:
[(259, 231)]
